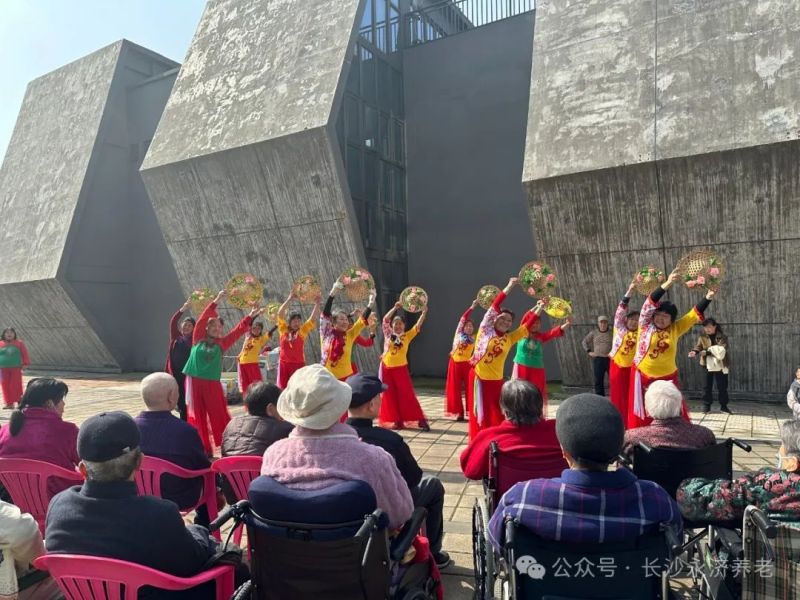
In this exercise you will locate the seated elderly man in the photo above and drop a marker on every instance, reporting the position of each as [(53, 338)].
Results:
[(250, 434), (165, 436), (107, 517), (524, 431), (426, 490), (664, 402), (775, 490), (587, 503), (321, 451)]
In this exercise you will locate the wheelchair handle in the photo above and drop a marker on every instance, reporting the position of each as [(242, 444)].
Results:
[(232, 512), (645, 447), (744, 446), (764, 523)]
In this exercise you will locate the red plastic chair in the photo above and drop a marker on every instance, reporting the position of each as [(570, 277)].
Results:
[(95, 578), (27, 482), (239, 471), (148, 480)]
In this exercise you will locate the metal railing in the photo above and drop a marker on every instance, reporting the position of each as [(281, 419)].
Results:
[(451, 17)]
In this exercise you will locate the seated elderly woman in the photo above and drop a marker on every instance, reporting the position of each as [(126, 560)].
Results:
[(663, 401), (321, 451), (775, 490), (525, 430)]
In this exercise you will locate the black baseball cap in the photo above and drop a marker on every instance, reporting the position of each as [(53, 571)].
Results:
[(365, 388), (106, 436)]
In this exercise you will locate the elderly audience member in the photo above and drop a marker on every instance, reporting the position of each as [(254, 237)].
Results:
[(663, 401), (250, 434), (321, 451), (426, 490), (36, 430), (597, 344), (165, 436), (576, 506), (775, 490), (107, 517), (525, 431)]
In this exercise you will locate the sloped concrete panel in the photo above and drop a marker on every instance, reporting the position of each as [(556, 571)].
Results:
[(618, 176), (244, 171)]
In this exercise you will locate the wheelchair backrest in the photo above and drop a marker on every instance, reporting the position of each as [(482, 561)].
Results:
[(507, 467), (669, 466), (630, 570)]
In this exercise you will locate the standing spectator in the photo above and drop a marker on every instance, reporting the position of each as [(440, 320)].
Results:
[(13, 358), (597, 344), (793, 395), (712, 346), (165, 436), (251, 433), (180, 345)]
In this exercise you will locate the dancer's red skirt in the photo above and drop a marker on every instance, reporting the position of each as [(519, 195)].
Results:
[(286, 370), (454, 391), (537, 377), (619, 383), (489, 392), (11, 383), (249, 373), (207, 410), (399, 403), (633, 419)]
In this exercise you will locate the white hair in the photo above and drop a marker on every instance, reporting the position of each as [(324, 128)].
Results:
[(663, 400), (156, 389)]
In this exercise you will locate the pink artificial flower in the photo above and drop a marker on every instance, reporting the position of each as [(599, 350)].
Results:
[(249, 280), (346, 280), (365, 276), (639, 278), (700, 280), (412, 307), (691, 284), (661, 277), (713, 271), (531, 291), (551, 277)]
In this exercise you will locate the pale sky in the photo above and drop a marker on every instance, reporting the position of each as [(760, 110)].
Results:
[(38, 36)]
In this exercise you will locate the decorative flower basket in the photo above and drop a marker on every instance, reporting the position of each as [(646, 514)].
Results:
[(702, 269), (244, 291), (414, 299), (358, 284), (199, 299), (558, 308), (271, 312), (486, 296), (537, 279), (648, 279), (307, 289)]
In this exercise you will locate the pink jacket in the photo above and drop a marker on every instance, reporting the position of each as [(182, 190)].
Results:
[(311, 460), (44, 436)]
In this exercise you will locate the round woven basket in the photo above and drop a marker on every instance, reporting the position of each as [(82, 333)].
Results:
[(271, 312), (537, 279), (703, 269), (486, 296), (413, 299), (307, 289), (651, 277), (244, 291), (558, 308), (199, 300), (357, 288)]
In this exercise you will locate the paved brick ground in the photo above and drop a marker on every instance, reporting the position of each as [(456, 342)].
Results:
[(438, 451)]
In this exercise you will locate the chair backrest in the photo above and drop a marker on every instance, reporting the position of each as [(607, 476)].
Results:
[(631, 570), (328, 543), (508, 466), (669, 466), (240, 471), (96, 578), (27, 482), (148, 477)]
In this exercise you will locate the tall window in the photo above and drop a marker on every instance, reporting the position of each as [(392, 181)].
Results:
[(380, 24)]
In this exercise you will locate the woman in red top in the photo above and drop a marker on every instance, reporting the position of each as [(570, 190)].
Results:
[(180, 345), (13, 358), (293, 335)]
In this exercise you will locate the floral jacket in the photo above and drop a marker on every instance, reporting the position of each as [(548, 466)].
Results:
[(775, 492)]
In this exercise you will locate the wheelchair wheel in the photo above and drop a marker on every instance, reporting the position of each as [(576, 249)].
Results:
[(482, 552), (244, 592)]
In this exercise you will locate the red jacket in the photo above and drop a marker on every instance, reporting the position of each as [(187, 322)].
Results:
[(537, 443)]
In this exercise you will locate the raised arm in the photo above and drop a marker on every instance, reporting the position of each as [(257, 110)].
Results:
[(326, 310), (229, 339), (174, 332), (315, 312), (421, 320), (370, 307), (285, 306), (387, 318), (620, 317), (209, 312)]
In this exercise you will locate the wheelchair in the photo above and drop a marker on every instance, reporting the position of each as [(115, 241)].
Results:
[(505, 469), (537, 569), (331, 543)]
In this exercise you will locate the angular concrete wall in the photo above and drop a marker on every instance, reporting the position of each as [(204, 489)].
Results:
[(658, 127), (76, 227), (244, 171)]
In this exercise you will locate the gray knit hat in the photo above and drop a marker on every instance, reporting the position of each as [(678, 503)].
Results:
[(590, 428)]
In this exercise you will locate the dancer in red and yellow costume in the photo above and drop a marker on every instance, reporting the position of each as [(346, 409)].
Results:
[(293, 335), (623, 349), (364, 342), (399, 403), (205, 399), (337, 336), (657, 347), (458, 366), (248, 368), (494, 342), (13, 358)]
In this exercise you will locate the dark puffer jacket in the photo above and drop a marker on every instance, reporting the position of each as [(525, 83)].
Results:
[(249, 435)]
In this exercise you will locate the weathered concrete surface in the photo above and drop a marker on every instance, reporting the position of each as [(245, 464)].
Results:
[(466, 102), (77, 241), (244, 170), (655, 129)]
